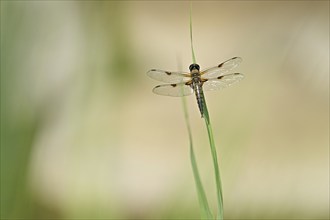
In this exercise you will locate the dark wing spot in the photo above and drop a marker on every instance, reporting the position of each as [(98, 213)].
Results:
[(234, 58), (168, 73), (189, 83), (220, 77), (174, 85), (153, 70), (220, 65), (236, 73), (157, 86)]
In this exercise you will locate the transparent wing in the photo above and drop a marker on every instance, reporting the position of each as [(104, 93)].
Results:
[(176, 90), (222, 68), (169, 77), (222, 82)]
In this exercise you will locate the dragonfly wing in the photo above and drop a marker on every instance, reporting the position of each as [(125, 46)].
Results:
[(176, 90), (222, 68), (222, 82), (169, 77)]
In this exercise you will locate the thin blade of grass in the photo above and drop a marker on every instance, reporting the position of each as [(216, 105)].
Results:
[(212, 146), (203, 204), (191, 38), (215, 163)]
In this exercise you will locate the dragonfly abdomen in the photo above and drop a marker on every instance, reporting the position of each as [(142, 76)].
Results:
[(199, 96)]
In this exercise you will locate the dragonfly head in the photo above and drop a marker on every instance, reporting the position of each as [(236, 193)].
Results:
[(193, 66)]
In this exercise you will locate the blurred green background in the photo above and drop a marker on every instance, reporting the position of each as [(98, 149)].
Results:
[(83, 136)]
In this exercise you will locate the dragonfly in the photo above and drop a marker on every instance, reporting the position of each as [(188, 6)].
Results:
[(183, 83)]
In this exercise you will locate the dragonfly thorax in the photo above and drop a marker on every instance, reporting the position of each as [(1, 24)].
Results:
[(195, 74)]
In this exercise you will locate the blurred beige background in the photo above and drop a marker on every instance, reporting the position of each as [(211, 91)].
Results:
[(83, 136)]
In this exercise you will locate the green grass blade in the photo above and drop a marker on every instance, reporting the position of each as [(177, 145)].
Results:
[(201, 194), (203, 204), (215, 162), (191, 38)]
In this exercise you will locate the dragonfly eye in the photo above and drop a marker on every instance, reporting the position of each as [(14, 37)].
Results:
[(193, 66)]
